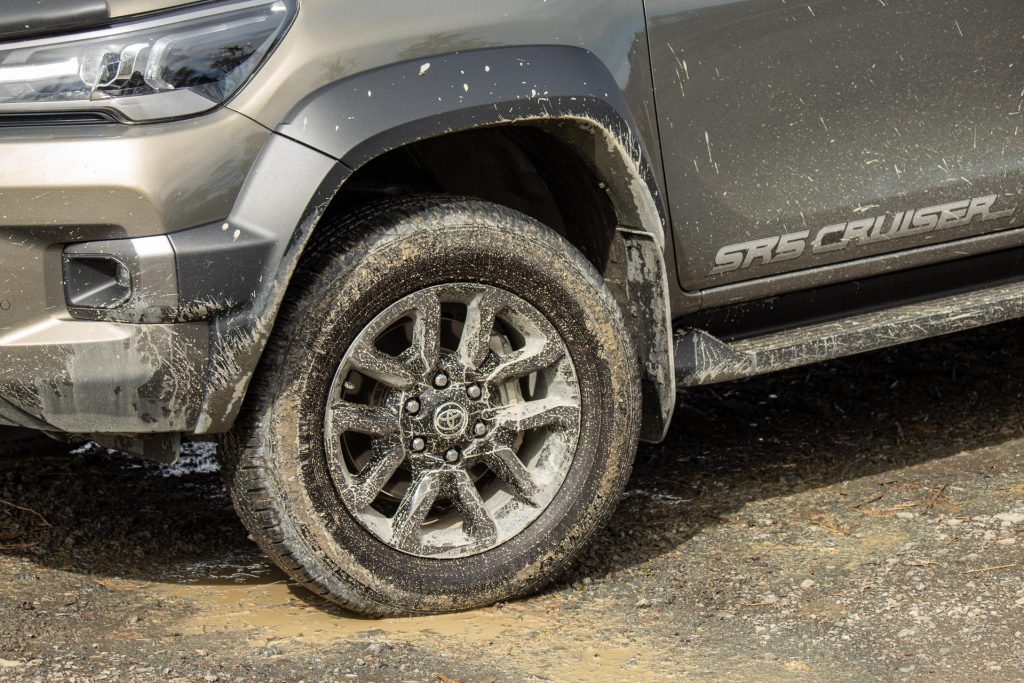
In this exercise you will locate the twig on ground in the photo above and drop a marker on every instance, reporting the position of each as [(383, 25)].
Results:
[(991, 569), (882, 512), (831, 527), (9, 504), (18, 546), (877, 498), (934, 499), (118, 586)]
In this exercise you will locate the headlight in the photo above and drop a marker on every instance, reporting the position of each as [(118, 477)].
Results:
[(174, 64)]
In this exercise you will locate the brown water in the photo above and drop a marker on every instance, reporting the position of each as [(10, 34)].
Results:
[(259, 601)]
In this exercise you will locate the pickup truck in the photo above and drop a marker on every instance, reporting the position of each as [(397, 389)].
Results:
[(429, 271)]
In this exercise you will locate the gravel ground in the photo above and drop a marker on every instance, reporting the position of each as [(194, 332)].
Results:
[(858, 520)]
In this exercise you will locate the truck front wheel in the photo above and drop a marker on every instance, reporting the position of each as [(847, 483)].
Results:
[(446, 413)]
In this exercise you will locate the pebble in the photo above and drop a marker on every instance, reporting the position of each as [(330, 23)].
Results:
[(1010, 518), (807, 584)]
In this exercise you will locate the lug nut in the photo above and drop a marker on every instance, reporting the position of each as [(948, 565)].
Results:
[(418, 444), (452, 455), (479, 429), (412, 406), (473, 391), (441, 380)]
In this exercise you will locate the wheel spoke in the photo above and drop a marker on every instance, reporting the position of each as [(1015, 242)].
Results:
[(477, 521), (426, 333), (375, 474), (378, 365), (407, 524), (510, 469), (476, 333), (519, 417), (352, 417), (536, 355)]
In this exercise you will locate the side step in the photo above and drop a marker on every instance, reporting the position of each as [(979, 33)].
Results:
[(704, 359)]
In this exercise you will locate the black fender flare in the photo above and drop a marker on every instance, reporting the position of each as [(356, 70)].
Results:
[(342, 126), (361, 117)]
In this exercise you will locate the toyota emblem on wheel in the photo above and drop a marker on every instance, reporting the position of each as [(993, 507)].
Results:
[(450, 419)]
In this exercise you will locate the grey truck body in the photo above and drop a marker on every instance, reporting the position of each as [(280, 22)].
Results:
[(786, 182)]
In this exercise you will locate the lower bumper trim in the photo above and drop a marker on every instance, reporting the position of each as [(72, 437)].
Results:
[(87, 377)]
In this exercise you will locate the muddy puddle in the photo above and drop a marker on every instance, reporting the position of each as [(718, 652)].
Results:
[(254, 603)]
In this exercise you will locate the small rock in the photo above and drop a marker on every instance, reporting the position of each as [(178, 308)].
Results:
[(1009, 518), (807, 584), (643, 603)]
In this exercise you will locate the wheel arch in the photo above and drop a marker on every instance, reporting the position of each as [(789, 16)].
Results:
[(346, 131)]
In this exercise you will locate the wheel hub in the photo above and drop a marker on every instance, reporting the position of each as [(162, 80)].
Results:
[(439, 424)]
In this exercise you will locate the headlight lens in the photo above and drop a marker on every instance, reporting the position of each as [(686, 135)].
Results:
[(177, 64)]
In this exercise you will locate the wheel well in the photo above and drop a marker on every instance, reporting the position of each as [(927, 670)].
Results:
[(568, 176), (521, 167)]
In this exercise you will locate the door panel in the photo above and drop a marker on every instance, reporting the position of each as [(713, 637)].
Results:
[(798, 134)]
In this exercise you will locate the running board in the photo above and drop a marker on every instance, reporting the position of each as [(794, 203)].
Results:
[(703, 359)]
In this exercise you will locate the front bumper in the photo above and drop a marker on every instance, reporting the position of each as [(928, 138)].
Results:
[(64, 185), (88, 377)]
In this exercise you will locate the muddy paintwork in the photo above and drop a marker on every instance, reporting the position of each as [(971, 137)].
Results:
[(706, 124), (91, 185), (608, 98), (85, 376), (780, 117)]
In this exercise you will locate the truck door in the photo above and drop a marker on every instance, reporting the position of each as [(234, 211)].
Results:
[(801, 134)]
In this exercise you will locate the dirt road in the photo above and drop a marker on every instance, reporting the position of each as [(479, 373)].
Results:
[(853, 521)]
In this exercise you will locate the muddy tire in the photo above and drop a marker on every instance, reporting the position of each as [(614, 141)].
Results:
[(18, 441), (446, 413)]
